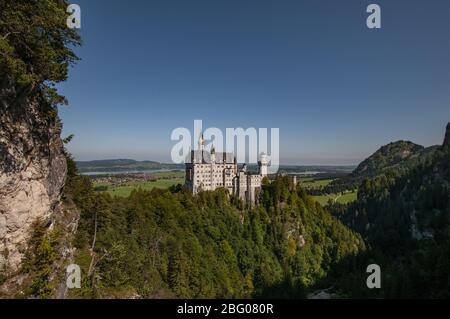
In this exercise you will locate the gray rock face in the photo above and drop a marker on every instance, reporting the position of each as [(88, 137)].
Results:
[(447, 135), (32, 172)]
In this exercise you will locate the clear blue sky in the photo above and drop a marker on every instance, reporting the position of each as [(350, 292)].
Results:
[(337, 90)]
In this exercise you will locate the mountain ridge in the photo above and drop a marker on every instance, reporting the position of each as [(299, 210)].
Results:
[(123, 165)]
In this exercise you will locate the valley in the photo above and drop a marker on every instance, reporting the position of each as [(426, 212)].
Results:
[(118, 183), (315, 185), (123, 184)]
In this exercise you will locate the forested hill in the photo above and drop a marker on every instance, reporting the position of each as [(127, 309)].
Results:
[(405, 219), (168, 243), (388, 156), (398, 156), (415, 203)]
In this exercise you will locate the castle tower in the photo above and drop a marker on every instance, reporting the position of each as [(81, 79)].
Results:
[(201, 143), (201, 147), (213, 169), (294, 183), (213, 154), (263, 165)]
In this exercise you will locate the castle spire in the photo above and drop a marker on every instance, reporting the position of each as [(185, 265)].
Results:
[(201, 142), (201, 147), (213, 154)]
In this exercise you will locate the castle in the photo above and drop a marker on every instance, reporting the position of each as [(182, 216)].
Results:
[(207, 171)]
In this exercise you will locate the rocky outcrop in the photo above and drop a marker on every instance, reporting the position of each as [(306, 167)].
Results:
[(32, 171), (447, 135)]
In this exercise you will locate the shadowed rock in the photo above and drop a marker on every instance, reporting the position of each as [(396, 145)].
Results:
[(447, 135)]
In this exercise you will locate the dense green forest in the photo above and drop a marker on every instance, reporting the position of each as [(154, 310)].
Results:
[(404, 217), (170, 244), (167, 243)]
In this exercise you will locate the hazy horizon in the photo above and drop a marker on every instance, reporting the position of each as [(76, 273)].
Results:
[(169, 162)]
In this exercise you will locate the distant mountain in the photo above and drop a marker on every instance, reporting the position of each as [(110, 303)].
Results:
[(397, 156), (389, 156), (128, 165), (122, 165)]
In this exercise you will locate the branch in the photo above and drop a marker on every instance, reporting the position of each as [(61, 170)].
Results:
[(8, 34)]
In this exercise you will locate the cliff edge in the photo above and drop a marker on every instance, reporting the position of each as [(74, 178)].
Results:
[(32, 172)]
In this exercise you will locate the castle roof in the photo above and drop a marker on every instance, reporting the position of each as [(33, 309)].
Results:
[(204, 157)]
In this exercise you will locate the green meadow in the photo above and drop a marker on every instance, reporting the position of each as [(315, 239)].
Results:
[(310, 182), (164, 180), (339, 198), (126, 189)]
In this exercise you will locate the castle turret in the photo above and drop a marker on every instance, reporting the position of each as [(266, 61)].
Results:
[(201, 147), (213, 154), (263, 165), (201, 143)]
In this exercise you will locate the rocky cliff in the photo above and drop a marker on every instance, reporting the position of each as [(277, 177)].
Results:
[(447, 135), (36, 50), (32, 171)]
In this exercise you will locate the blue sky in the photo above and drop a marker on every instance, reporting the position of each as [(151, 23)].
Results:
[(337, 90)]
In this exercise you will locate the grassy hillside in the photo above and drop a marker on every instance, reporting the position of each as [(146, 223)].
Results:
[(316, 188), (344, 198)]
